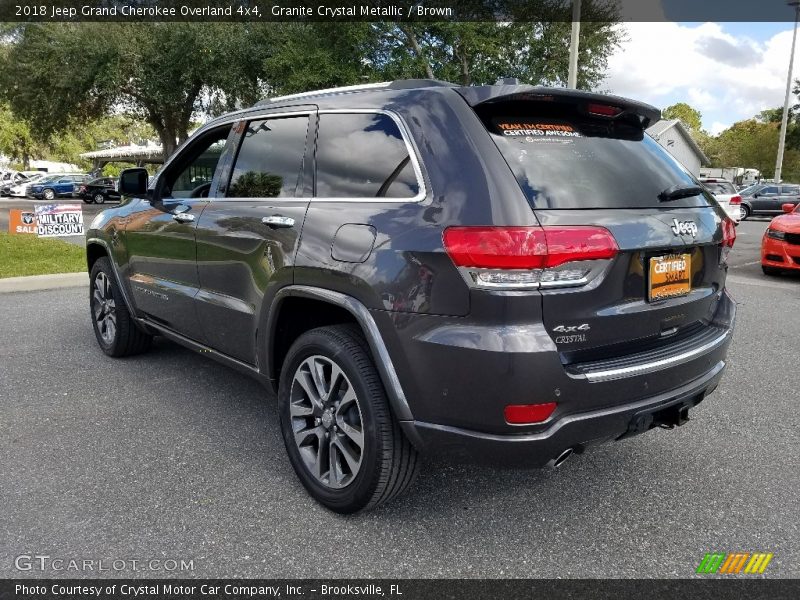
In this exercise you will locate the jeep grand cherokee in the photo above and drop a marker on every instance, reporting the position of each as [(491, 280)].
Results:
[(510, 273)]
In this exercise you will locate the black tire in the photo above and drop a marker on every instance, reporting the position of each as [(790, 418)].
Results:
[(746, 212), (771, 271), (48, 192), (86, 200), (127, 339), (99, 198), (388, 461)]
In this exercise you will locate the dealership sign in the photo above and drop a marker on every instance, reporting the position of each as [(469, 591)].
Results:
[(21, 221), (55, 220)]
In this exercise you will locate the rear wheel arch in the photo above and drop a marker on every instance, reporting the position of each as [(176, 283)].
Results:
[(297, 309)]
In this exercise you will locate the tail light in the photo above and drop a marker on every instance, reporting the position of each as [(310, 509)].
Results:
[(603, 110), (728, 238), (527, 414), (736, 200), (728, 233), (529, 257)]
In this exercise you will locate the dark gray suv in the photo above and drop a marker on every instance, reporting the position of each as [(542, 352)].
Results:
[(506, 273)]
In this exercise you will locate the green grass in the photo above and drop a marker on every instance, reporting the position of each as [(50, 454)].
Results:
[(29, 255)]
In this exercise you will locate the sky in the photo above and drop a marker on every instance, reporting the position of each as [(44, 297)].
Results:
[(728, 71)]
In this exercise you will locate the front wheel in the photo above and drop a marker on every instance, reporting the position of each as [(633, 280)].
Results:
[(99, 198), (49, 194), (771, 271), (342, 439), (114, 327)]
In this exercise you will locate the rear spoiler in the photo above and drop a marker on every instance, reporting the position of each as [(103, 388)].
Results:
[(601, 105)]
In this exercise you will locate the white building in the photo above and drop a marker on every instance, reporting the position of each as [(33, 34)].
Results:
[(673, 136)]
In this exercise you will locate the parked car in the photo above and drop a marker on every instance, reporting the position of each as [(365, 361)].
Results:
[(56, 187), (725, 193), (20, 190), (768, 198), (418, 267), (11, 181), (98, 190), (780, 246)]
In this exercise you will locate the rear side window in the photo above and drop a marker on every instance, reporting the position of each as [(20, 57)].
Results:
[(565, 161), (270, 159), (790, 189), (363, 156)]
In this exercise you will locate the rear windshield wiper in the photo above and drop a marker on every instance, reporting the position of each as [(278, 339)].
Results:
[(676, 192)]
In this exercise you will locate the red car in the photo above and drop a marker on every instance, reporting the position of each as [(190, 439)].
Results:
[(780, 247)]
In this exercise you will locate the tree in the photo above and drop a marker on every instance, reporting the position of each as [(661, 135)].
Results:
[(168, 73), (16, 140), (687, 115), (156, 72)]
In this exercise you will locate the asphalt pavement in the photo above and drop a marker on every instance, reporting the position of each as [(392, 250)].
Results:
[(170, 455)]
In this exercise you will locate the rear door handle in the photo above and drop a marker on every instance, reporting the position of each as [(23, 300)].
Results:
[(183, 218), (278, 221)]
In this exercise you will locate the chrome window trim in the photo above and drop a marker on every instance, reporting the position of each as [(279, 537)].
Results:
[(410, 146)]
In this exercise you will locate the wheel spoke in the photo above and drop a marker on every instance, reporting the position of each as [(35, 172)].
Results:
[(317, 369), (353, 460), (304, 378), (298, 409), (111, 326), (354, 434), (335, 474), (337, 380), (301, 436)]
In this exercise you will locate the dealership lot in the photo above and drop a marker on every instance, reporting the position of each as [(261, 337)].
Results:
[(172, 456)]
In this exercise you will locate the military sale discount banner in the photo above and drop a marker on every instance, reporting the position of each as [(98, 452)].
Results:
[(57, 220)]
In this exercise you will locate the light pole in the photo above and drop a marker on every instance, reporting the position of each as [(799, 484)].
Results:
[(572, 77), (785, 119)]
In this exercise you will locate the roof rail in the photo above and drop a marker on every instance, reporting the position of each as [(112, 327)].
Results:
[(399, 84), (336, 90), (410, 84)]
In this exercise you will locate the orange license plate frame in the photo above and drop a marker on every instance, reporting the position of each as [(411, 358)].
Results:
[(670, 276)]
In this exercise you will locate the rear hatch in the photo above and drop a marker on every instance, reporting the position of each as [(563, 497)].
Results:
[(585, 160)]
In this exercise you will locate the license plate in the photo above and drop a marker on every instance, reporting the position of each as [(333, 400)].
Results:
[(670, 276)]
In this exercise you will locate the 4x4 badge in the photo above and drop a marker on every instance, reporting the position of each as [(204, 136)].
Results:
[(683, 227), (569, 328)]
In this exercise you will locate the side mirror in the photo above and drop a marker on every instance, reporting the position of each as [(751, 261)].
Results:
[(788, 207), (756, 195), (133, 182)]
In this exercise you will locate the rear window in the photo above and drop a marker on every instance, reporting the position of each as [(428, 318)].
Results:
[(574, 162), (719, 187)]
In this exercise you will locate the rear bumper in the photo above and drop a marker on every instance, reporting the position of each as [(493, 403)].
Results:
[(575, 431), (779, 254)]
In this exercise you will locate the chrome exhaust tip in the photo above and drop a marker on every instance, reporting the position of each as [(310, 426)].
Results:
[(561, 458)]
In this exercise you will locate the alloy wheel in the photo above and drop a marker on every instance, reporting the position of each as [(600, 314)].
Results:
[(104, 308), (326, 422)]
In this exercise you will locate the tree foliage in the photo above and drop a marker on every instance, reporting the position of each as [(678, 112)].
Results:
[(59, 76), (690, 117)]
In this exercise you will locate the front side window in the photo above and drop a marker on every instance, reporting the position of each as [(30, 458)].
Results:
[(191, 174), (769, 191), (363, 156), (270, 160)]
